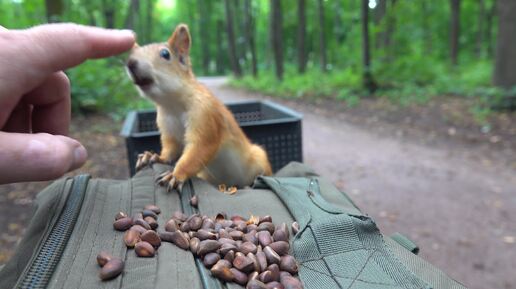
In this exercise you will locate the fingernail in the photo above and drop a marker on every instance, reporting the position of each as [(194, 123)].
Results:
[(79, 156), (127, 32)]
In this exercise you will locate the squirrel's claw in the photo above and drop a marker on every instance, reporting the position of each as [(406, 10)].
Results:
[(140, 161), (147, 159), (175, 184), (167, 178), (164, 178)]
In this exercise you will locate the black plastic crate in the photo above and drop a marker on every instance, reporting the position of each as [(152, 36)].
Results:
[(273, 126)]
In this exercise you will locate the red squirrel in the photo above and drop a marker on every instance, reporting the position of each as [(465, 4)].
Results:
[(196, 128)]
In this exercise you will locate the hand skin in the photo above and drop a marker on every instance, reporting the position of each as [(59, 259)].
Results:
[(35, 96)]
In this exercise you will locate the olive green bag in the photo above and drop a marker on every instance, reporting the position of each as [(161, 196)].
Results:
[(337, 246)]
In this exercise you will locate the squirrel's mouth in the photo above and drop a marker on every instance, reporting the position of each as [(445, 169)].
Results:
[(139, 76), (142, 81)]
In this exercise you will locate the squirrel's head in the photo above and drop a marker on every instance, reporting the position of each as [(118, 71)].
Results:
[(161, 69)]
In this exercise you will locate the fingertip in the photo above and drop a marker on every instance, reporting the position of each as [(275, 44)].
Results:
[(126, 33), (38, 157), (65, 45), (80, 155), (71, 155), (109, 41)]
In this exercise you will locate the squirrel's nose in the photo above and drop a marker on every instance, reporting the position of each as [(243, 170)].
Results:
[(132, 65), (140, 72)]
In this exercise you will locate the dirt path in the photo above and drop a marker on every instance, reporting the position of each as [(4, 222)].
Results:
[(457, 205)]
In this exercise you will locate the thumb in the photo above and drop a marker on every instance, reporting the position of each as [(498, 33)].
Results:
[(38, 157)]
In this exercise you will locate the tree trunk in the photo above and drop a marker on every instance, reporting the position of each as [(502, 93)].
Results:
[(149, 21), (427, 32), (220, 63), (192, 25), (90, 8), (132, 15), (54, 10), (368, 81), (235, 65), (379, 13), (489, 28), (480, 27), (301, 35), (389, 29), (204, 25), (249, 32), (322, 40), (505, 62), (338, 28), (455, 30), (240, 41), (277, 37), (109, 13)]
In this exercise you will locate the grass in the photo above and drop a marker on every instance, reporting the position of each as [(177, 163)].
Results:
[(402, 82)]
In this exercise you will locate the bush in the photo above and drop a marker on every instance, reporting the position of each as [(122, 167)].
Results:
[(412, 79), (312, 84), (103, 86)]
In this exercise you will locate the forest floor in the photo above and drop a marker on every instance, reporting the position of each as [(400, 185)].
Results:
[(451, 188)]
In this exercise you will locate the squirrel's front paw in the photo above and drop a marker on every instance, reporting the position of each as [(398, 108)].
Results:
[(172, 181), (146, 159)]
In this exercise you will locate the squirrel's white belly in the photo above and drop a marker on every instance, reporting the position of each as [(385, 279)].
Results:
[(175, 125), (229, 168)]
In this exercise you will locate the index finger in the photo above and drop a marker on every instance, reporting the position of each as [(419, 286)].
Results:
[(55, 47)]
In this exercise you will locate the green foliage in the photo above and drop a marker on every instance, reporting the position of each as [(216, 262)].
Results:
[(406, 81), (312, 84), (102, 85), (96, 86), (21, 14), (413, 67)]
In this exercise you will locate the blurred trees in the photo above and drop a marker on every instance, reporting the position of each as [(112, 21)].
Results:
[(54, 10), (249, 36), (205, 39), (276, 36), (301, 35), (322, 38), (438, 47), (505, 65), (108, 9), (454, 30), (235, 63), (369, 83), (131, 20)]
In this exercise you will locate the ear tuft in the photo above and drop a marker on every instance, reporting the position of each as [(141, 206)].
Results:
[(180, 40)]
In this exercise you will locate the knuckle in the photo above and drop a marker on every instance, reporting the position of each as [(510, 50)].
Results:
[(63, 83)]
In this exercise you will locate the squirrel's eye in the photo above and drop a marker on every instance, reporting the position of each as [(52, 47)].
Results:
[(164, 53)]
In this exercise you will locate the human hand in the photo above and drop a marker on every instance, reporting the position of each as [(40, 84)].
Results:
[(35, 96)]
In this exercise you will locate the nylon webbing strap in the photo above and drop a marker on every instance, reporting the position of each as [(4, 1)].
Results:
[(336, 249), (405, 242)]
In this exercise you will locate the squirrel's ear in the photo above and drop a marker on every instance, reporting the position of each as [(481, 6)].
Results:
[(180, 40)]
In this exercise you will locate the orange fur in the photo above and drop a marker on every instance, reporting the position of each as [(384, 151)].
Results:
[(195, 126)]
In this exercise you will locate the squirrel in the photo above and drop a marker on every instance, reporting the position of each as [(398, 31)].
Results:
[(196, 128)]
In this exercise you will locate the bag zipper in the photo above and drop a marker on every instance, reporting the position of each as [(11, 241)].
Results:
[(44, 264)]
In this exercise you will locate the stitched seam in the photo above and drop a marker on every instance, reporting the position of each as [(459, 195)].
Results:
[(345, 277)]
